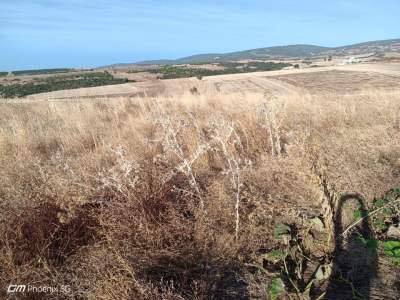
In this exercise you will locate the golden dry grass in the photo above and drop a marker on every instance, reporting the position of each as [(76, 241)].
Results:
[(343, 80), (106, 195)]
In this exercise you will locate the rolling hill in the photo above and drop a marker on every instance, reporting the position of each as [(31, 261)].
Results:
[(289, 51)]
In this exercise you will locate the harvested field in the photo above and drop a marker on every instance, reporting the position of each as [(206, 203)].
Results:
[(341, 82), (348, 79)]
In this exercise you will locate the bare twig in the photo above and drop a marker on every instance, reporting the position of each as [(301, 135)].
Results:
[(368, 215)]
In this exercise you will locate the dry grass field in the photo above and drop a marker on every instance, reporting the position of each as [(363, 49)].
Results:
[(342, 82), (348, 78), (238, 189)]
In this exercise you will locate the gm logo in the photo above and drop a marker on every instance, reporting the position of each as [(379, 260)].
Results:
[(14, 288)]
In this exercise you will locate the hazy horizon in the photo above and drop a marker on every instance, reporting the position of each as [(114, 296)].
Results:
[(52, 34)]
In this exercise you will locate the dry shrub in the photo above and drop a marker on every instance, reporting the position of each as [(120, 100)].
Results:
[(176, 198), (42, 232)]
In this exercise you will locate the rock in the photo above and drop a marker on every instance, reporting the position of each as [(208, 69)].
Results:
[(393, 232), (323, 272), (318, 224)]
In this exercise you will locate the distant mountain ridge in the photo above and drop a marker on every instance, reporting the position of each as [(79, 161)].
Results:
[(289, 51)]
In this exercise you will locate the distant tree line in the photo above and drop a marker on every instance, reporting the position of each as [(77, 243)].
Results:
[(170, 72), (40, 71), (61, 82)]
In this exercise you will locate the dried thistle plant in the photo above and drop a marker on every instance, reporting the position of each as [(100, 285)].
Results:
[(121, 177), (172, 127), (270, 113), (228, 141)]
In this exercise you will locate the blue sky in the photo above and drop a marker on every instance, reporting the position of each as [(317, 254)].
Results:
[(86, 33)]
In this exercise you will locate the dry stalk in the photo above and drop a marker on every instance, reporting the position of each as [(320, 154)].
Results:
[(171, 130), (269, 112), (368, 215), (226, 135), (122, 176)]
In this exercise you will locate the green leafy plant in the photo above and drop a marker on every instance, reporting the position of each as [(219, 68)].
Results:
[(277, 288), (274, 255), (360, 213), (281, 229), (370, 243), (385, 210), (392, 249), (380, 202), (396, 191), (382, 213), (379, 224)]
